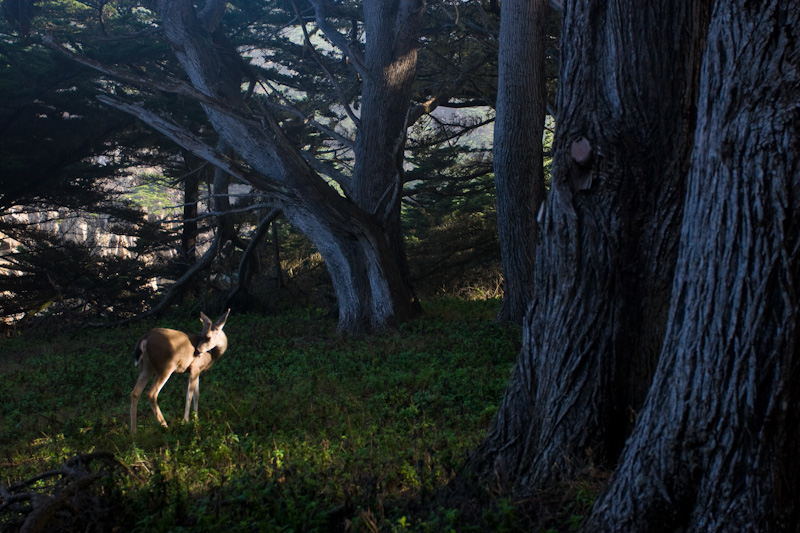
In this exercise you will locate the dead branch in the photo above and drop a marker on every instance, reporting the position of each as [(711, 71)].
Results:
[(338, 40), (255, 239), (31, 505)]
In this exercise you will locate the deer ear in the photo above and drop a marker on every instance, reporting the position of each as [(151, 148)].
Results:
[(221, 321), (205, 320)]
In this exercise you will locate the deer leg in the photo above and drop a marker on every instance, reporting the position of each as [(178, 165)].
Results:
[(196, 393), (141, 383), (152, 395), (192, 393)]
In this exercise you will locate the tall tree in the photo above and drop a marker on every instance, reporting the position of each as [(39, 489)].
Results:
[(591, 339), (518, 159), (357, 232), (715, 448)]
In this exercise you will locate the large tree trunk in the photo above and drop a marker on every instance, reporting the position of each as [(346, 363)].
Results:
[(517, 151), (716, 446), (359, 243), (626, 97)]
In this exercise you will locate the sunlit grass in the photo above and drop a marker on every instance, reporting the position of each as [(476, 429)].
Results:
[(299, 426)]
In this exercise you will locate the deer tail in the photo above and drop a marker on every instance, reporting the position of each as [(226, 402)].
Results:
[(137, 354)]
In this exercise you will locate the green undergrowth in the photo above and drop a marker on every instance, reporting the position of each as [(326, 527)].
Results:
[(300, 428)]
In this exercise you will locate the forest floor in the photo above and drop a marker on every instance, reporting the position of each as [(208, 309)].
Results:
[(299, 429)]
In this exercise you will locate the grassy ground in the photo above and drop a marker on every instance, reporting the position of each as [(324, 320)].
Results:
[(300, 428)]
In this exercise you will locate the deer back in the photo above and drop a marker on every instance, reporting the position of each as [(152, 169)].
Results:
[(167, 350)]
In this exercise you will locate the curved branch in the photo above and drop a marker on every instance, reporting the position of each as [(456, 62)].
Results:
[(190, 142), (262, 228)]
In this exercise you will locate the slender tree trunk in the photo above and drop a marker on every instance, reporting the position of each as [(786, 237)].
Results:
[(716, 446), (518, 159), (191, 191), (276, 254), (591, 338)]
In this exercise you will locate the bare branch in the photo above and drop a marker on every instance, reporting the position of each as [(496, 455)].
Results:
[(338, 39), (257, 236), (217, 214), (325, 68), (173, 291), (316, 125), (446, 92), (323, 168), (289, 108), (68, 489), (465, 129)]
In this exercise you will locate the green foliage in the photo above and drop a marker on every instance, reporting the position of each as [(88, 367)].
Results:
[(62, 155), (299, 428), (153, 194), (450, 222)]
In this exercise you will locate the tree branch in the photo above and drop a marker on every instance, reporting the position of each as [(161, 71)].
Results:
[(211, 14), (314, 124), (173, 291), (338, 39), (190, 142), (68, 486), (217, 214), (328, 170), (251, 247), (445, 93), (171, 86), (325, 68)]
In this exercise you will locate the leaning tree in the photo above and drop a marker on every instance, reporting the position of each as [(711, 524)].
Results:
[(356, 232), (353, 232), (331, 160)]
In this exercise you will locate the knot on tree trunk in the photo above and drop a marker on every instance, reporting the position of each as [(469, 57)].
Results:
[(582, 153)]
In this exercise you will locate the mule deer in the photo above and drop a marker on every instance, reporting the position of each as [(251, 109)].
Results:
[(160, 352)]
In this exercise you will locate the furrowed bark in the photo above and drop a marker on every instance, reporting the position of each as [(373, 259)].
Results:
[(391, 60), (610, 228), (716, 445)]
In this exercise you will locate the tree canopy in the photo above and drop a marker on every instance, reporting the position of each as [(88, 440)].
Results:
[(295, 75)]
